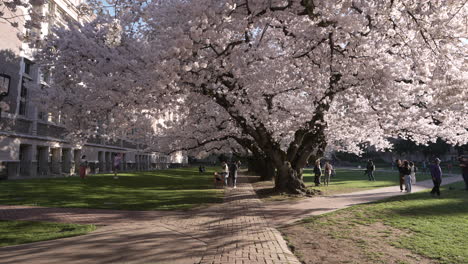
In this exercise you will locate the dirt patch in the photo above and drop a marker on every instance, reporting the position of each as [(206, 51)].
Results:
[(265, 191), (344, 239)]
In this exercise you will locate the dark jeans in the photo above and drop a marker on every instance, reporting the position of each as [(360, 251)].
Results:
[(402, 181), (370, 174), (465, 178), (436, 189), (317, 179)]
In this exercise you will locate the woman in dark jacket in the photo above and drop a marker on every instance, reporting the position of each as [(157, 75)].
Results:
[(399, 165)]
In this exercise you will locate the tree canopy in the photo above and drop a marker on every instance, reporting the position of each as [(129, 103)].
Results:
[(283, 79)]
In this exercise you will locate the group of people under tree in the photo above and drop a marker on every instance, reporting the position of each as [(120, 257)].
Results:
[(407, 171), (328, 172), (407, 174), (228, 174)]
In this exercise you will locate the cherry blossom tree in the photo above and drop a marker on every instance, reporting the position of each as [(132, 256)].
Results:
[(283, 79)]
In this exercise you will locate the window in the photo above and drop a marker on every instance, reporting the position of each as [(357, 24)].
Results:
[(23, 99), (4, 84), (45, 76), (42, 116), (27, 66), (22, 108)]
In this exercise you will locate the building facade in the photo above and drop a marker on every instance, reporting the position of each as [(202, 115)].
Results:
[(32, 142)]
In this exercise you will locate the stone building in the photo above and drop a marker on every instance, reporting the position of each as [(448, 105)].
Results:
[(32, 140)]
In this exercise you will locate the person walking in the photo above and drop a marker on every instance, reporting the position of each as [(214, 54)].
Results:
[(83, 166), (328, 172), (317, 172), (464, 166), (401, 176), (436, 173), (370, 170), (233, 168), (406, 171)]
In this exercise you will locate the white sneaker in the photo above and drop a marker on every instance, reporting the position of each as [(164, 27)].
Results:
[(235, 187)]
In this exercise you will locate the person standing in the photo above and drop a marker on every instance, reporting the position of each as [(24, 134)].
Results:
[(370, 168), (399, 165), (464, 166), (83, 166), (436, 173), (317, 173), (233, 173), (414, 169), (117, 161), (225, 172), (328, 172), (406, 171)]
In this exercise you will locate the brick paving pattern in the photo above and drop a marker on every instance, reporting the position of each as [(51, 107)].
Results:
[(233, 232)]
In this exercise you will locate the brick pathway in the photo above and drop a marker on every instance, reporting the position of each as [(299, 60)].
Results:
[(233, 232)]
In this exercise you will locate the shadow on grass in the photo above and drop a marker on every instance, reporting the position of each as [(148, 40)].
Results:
[(453, 201), (159, 190)]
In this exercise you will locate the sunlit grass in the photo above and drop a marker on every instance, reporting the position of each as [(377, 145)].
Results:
[(347, 181), (436, 227), (20, 232), (158, 190)]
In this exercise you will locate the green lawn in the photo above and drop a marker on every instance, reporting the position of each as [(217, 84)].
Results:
[(436, 227), (347, 180), (158, 190), (20, 232)]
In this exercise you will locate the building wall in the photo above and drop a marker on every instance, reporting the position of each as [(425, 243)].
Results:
[(10, 55), (31, 147)]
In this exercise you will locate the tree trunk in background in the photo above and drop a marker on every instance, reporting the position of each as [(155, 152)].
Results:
[(262, 166)]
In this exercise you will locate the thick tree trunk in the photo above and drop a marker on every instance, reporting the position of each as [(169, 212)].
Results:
[(289, 180)]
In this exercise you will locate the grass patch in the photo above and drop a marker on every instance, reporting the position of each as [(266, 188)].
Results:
[(157, 190), (347, 181), (21, 232), (430, 227)]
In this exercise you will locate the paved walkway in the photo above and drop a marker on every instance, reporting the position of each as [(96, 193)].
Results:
[(286, 212), (233, 232), (236, 231)]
